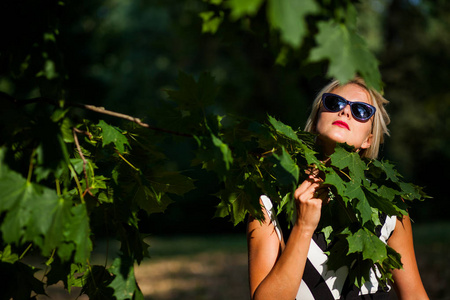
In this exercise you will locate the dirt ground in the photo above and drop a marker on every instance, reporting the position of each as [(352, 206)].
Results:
[(201, 276), (192, 273), (221, 276)]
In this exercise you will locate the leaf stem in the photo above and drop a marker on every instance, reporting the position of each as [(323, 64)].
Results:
[(130, 164), (58, 188), (26, 250), (268, 152), (30, 167), (48, 263), (80, 189), (259, 171), (346, 175)]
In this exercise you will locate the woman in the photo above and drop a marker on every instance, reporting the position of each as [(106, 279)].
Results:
[(354, 114)]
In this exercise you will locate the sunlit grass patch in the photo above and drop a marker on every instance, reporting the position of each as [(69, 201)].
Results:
[(194, 244)]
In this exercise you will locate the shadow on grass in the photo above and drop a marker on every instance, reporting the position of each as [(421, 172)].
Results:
[(215, 267), (431, 243), (195, 267)]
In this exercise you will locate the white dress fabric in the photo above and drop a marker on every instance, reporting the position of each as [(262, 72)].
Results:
[(319, 282)]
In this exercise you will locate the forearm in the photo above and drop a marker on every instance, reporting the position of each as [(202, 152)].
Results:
[(407, 281), (283, 281)]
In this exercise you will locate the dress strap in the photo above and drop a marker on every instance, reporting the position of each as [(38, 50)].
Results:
[(272, 214)]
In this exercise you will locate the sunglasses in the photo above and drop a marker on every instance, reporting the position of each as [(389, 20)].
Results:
[(361, 111)]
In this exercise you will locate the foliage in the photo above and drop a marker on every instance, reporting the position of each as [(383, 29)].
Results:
[(336, 38), (361, 192), (69, 178)]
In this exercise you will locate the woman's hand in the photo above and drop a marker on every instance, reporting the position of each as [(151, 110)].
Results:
[(310, 196)]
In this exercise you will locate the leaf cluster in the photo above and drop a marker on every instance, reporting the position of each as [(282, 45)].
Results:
[(67, 183), (363, 194)]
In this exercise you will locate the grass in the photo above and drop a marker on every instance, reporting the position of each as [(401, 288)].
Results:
[(215, 266), (432, 233), (431, 243), (161, 247)]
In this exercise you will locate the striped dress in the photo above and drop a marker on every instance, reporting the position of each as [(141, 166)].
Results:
[(320, 283)]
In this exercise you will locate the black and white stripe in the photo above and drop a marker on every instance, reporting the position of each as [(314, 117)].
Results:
[(318, 281)]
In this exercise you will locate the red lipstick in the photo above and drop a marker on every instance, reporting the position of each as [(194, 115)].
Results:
[(341, 124)]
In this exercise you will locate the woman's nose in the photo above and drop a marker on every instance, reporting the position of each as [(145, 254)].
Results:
[(346, 111)]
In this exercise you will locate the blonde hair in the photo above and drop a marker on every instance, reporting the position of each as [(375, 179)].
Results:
[(380, 120)]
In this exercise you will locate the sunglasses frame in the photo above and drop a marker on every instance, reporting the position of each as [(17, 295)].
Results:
[(371, 107)]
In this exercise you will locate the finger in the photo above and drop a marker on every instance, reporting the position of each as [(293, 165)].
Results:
[(307, 193), (312, 171), (304, 186)]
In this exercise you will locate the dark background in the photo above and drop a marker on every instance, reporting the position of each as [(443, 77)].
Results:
[(124, 55)]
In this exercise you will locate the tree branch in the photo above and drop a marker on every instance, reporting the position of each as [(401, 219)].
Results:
[(93, 108)]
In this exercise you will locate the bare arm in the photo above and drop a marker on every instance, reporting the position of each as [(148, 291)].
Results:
[(274, 272), (407, 281)]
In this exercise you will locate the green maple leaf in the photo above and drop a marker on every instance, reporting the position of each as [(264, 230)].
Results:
[(77, 232), (172, 182), (285, 168), (365, 210), (411, 191), (368, 244), (284, 130), (346, 52), (124, 283), (151, 200), (24, 203), (7, 256), (388, 169), (227, 156), (49, 225), (240, 8), (211, 21), (289, 17), (112, 135), (354, 190), (235, 203), (334, 179), (378, 201), (96, 282), (387, 192), (342, 159), (214, 154)]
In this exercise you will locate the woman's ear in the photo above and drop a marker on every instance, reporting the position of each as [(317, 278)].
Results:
[(368, 141)]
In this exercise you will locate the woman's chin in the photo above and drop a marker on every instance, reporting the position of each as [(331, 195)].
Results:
[(333, 139)]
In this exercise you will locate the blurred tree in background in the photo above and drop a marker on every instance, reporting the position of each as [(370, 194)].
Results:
[(411, 41), (126, 56), (123, 55)]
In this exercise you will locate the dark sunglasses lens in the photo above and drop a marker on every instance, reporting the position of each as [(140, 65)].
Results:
[(361, 111), (333, 103)]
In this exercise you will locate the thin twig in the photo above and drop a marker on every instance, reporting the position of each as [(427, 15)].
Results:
[(93, 108), (75, 137), (138, 121)]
